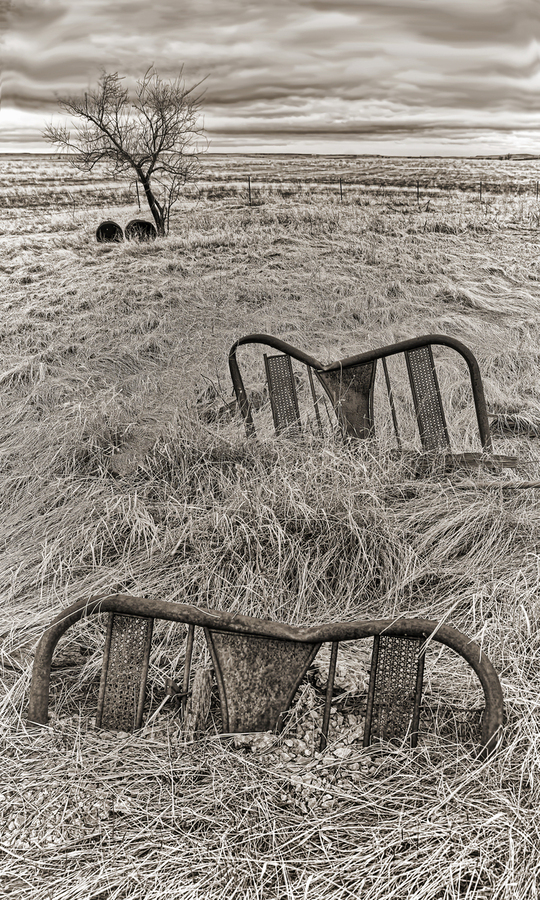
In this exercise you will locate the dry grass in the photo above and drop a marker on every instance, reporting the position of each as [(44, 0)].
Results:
[(108, 347)]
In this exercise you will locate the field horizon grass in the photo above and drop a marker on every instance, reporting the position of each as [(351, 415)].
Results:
[(119, 349)]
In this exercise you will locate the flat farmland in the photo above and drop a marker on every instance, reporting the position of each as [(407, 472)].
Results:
[(125, 469)]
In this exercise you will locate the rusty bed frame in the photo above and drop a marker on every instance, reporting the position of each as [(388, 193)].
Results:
[(349, 384), (259, 665)]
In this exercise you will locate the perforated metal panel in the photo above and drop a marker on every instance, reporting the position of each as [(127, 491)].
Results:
[(124, 673), (395, 690), (282, 391), (427, 399)]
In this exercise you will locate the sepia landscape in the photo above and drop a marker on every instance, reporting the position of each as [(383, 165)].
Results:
[(126, 469)]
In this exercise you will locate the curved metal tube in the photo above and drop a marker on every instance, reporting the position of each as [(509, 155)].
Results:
[(239, 624), (359, 359), (238, 384), (444, 340)]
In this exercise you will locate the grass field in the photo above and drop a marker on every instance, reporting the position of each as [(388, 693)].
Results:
[(123, 472)]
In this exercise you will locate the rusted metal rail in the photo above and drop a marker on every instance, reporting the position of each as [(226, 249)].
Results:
[(349, 384), (259, 663)]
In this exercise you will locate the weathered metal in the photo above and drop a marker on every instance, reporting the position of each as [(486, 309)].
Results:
[(238, 384), (341, 381), (236, 624), (187, 666), (257, 677), (390, 394), (427, 399), (395, 690), (329, 694), (124, 672), (282, 391), (315, 399), (432, 340), (351, 393)]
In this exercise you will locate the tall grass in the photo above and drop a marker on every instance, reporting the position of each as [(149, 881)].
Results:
[(119, 353)]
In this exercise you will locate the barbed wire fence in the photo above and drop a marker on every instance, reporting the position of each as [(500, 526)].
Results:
[(348, 190), (254, 190)]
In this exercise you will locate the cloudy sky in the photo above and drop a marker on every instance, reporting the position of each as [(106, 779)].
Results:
[(396, 77)]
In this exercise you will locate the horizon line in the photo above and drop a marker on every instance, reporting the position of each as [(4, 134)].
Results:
[(334, 155)]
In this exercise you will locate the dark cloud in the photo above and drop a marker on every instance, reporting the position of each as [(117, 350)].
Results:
[(451, 22), (294, 66)]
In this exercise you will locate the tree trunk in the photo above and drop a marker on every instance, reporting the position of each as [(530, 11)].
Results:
[(155, 208)]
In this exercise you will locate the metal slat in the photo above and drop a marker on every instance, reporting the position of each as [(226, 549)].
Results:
[(282, 391), (315, 401), (390, 393), (124, 672), (329, 695), (395, 690), (427, 399)]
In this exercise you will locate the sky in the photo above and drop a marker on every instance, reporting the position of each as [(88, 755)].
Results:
[(390, 77)]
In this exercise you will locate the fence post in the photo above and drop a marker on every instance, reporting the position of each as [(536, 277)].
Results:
[(249, 188), (340, 191), (480, 190), (537, 190), (418, 192)]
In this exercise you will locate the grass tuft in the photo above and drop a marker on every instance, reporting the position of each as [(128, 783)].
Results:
[(125, 469)]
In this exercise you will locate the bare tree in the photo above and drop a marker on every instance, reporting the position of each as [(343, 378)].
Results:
[(151, 134)]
